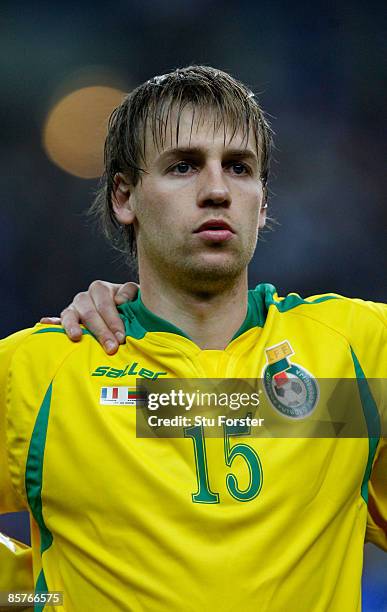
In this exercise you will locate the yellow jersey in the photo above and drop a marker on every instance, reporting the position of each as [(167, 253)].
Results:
[(122, 523)]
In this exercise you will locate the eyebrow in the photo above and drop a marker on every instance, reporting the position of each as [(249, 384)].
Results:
[(199, 152)]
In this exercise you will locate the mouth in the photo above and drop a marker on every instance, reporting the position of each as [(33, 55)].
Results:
[(215, 231), (214, 225)]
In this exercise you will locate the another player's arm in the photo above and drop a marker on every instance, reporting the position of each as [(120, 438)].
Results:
[(96, 310)]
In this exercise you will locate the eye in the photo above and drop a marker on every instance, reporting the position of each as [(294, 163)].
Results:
[(239, 168), (181, 168)]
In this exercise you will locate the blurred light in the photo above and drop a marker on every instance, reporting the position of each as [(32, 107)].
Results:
[(75, 129)]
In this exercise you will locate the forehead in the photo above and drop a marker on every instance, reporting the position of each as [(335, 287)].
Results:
[(193, 127)]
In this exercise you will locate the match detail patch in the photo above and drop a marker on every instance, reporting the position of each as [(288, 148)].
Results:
[(120, 396)]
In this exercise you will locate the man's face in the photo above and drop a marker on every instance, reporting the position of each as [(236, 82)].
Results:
[(197, 211)]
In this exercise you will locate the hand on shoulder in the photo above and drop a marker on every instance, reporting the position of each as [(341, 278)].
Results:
[(96, 309)]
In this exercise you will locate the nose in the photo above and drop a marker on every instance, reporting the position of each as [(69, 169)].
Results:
[(213, 190)]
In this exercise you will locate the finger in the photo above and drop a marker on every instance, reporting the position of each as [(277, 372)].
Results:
[(51, 320), (102, 295), (70, 322), (88, 313), (126, 292)]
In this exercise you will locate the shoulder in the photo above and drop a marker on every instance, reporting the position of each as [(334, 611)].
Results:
[(329, 308), (30, 360), (36, 353), (361, 324), (42, 341)]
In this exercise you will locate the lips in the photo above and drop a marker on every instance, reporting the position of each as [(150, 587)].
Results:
[(215, 231), (214, 225)]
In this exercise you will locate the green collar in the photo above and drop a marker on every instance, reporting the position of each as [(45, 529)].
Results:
[(256, 312), (136, 315), (148, 320)]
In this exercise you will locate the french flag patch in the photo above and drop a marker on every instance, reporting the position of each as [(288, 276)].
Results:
[(120, 396)]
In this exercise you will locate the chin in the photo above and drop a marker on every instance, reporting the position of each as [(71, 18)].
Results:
[(214, 270)]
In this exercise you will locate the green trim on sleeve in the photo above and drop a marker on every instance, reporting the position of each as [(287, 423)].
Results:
[(59, 330), (34, 477), (372, 418)]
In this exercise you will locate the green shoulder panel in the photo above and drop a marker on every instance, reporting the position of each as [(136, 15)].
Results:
[(292, 300), (34, 468), (372, 418), (34, 481), (264, 296)]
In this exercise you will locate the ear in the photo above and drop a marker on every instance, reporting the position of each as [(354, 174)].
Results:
[(262, 209), (121, 200), (262, 216)]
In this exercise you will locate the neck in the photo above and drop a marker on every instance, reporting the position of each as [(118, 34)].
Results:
[(210, 318)]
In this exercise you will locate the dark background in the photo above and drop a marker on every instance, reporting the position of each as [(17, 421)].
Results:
[(321, 73)]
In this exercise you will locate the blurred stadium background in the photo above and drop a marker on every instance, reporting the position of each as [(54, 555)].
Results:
[(321, 74)]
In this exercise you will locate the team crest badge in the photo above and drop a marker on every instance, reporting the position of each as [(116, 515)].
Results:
[(291, 389)]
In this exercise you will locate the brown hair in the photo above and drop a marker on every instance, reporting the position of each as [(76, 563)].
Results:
[(234, 105)]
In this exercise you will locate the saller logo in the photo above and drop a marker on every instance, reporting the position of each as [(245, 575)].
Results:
[(131, 369), (291, 389)]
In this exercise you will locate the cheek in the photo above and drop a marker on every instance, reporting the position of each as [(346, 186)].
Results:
[(249, 216), (148, 206), (251, 204), (165, 206), (155, 215)]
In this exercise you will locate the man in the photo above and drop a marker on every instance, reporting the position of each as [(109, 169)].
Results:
[(127, 523)]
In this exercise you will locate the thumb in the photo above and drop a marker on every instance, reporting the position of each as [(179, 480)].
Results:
[(126, 292)]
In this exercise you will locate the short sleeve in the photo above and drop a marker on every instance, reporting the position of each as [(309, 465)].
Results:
[(10, 501)]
